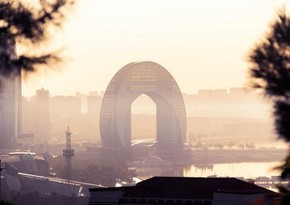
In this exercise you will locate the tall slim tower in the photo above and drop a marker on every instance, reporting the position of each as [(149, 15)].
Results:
[(68, 153)]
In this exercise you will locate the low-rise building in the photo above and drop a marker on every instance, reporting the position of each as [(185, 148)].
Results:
[(185, 190)]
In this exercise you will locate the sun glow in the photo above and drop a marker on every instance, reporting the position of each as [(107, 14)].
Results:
[(203, 44)]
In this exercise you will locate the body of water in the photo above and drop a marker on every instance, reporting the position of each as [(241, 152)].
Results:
[(244, 169), (247, 170)]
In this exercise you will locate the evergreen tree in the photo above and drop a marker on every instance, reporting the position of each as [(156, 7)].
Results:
[(27, 25), (270, 72)]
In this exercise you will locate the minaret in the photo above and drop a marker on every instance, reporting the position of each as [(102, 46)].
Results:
[(68, 153)]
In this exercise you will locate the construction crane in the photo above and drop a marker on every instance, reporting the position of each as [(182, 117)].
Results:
[(68, 153)]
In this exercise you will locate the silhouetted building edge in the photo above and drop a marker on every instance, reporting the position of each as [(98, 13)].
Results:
[(185, 190)]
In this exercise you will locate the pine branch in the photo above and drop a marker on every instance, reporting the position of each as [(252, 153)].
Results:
[(31, 63), (22, 24)]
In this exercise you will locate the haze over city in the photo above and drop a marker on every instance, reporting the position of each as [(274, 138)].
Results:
[(203, 44), (144, 102)]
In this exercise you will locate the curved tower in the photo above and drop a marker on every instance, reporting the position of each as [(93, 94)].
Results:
[(129, 83)]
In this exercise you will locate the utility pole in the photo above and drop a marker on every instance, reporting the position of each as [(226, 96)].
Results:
[(68, 153)]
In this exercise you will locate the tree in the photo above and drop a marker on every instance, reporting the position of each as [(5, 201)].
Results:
[(28, 26), (93, 170), (270, 72)]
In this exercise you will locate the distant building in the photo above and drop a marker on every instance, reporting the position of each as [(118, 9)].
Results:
[(25, 139), (27, 162), (219, 93), (129, 83), (42, 116), (8, 112), (94, 102), (61, 106), (238, 91), (26, 172), (10, 100), (183, 190)]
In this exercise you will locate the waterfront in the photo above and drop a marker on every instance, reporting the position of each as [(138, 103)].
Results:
[(243, 169), (247, 170)]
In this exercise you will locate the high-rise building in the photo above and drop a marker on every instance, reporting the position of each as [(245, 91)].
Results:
[(42, 116), (10, 99), (127, 85), (8, 112)]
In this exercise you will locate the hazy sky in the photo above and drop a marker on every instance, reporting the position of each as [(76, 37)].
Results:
[(202, 43)]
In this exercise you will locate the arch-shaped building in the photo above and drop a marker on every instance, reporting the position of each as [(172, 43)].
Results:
[(129, 83)]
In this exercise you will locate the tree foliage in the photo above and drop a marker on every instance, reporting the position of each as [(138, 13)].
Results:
[(94, 171), (271, 60), (28, 26), (270, 71)]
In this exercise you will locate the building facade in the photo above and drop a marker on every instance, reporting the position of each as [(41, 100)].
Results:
[(10, 99), (185, 190), (42, 129), (129, 83)]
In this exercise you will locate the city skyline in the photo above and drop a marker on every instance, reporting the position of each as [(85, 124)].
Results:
[(100, 93), (141, 102), (203, 44)]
